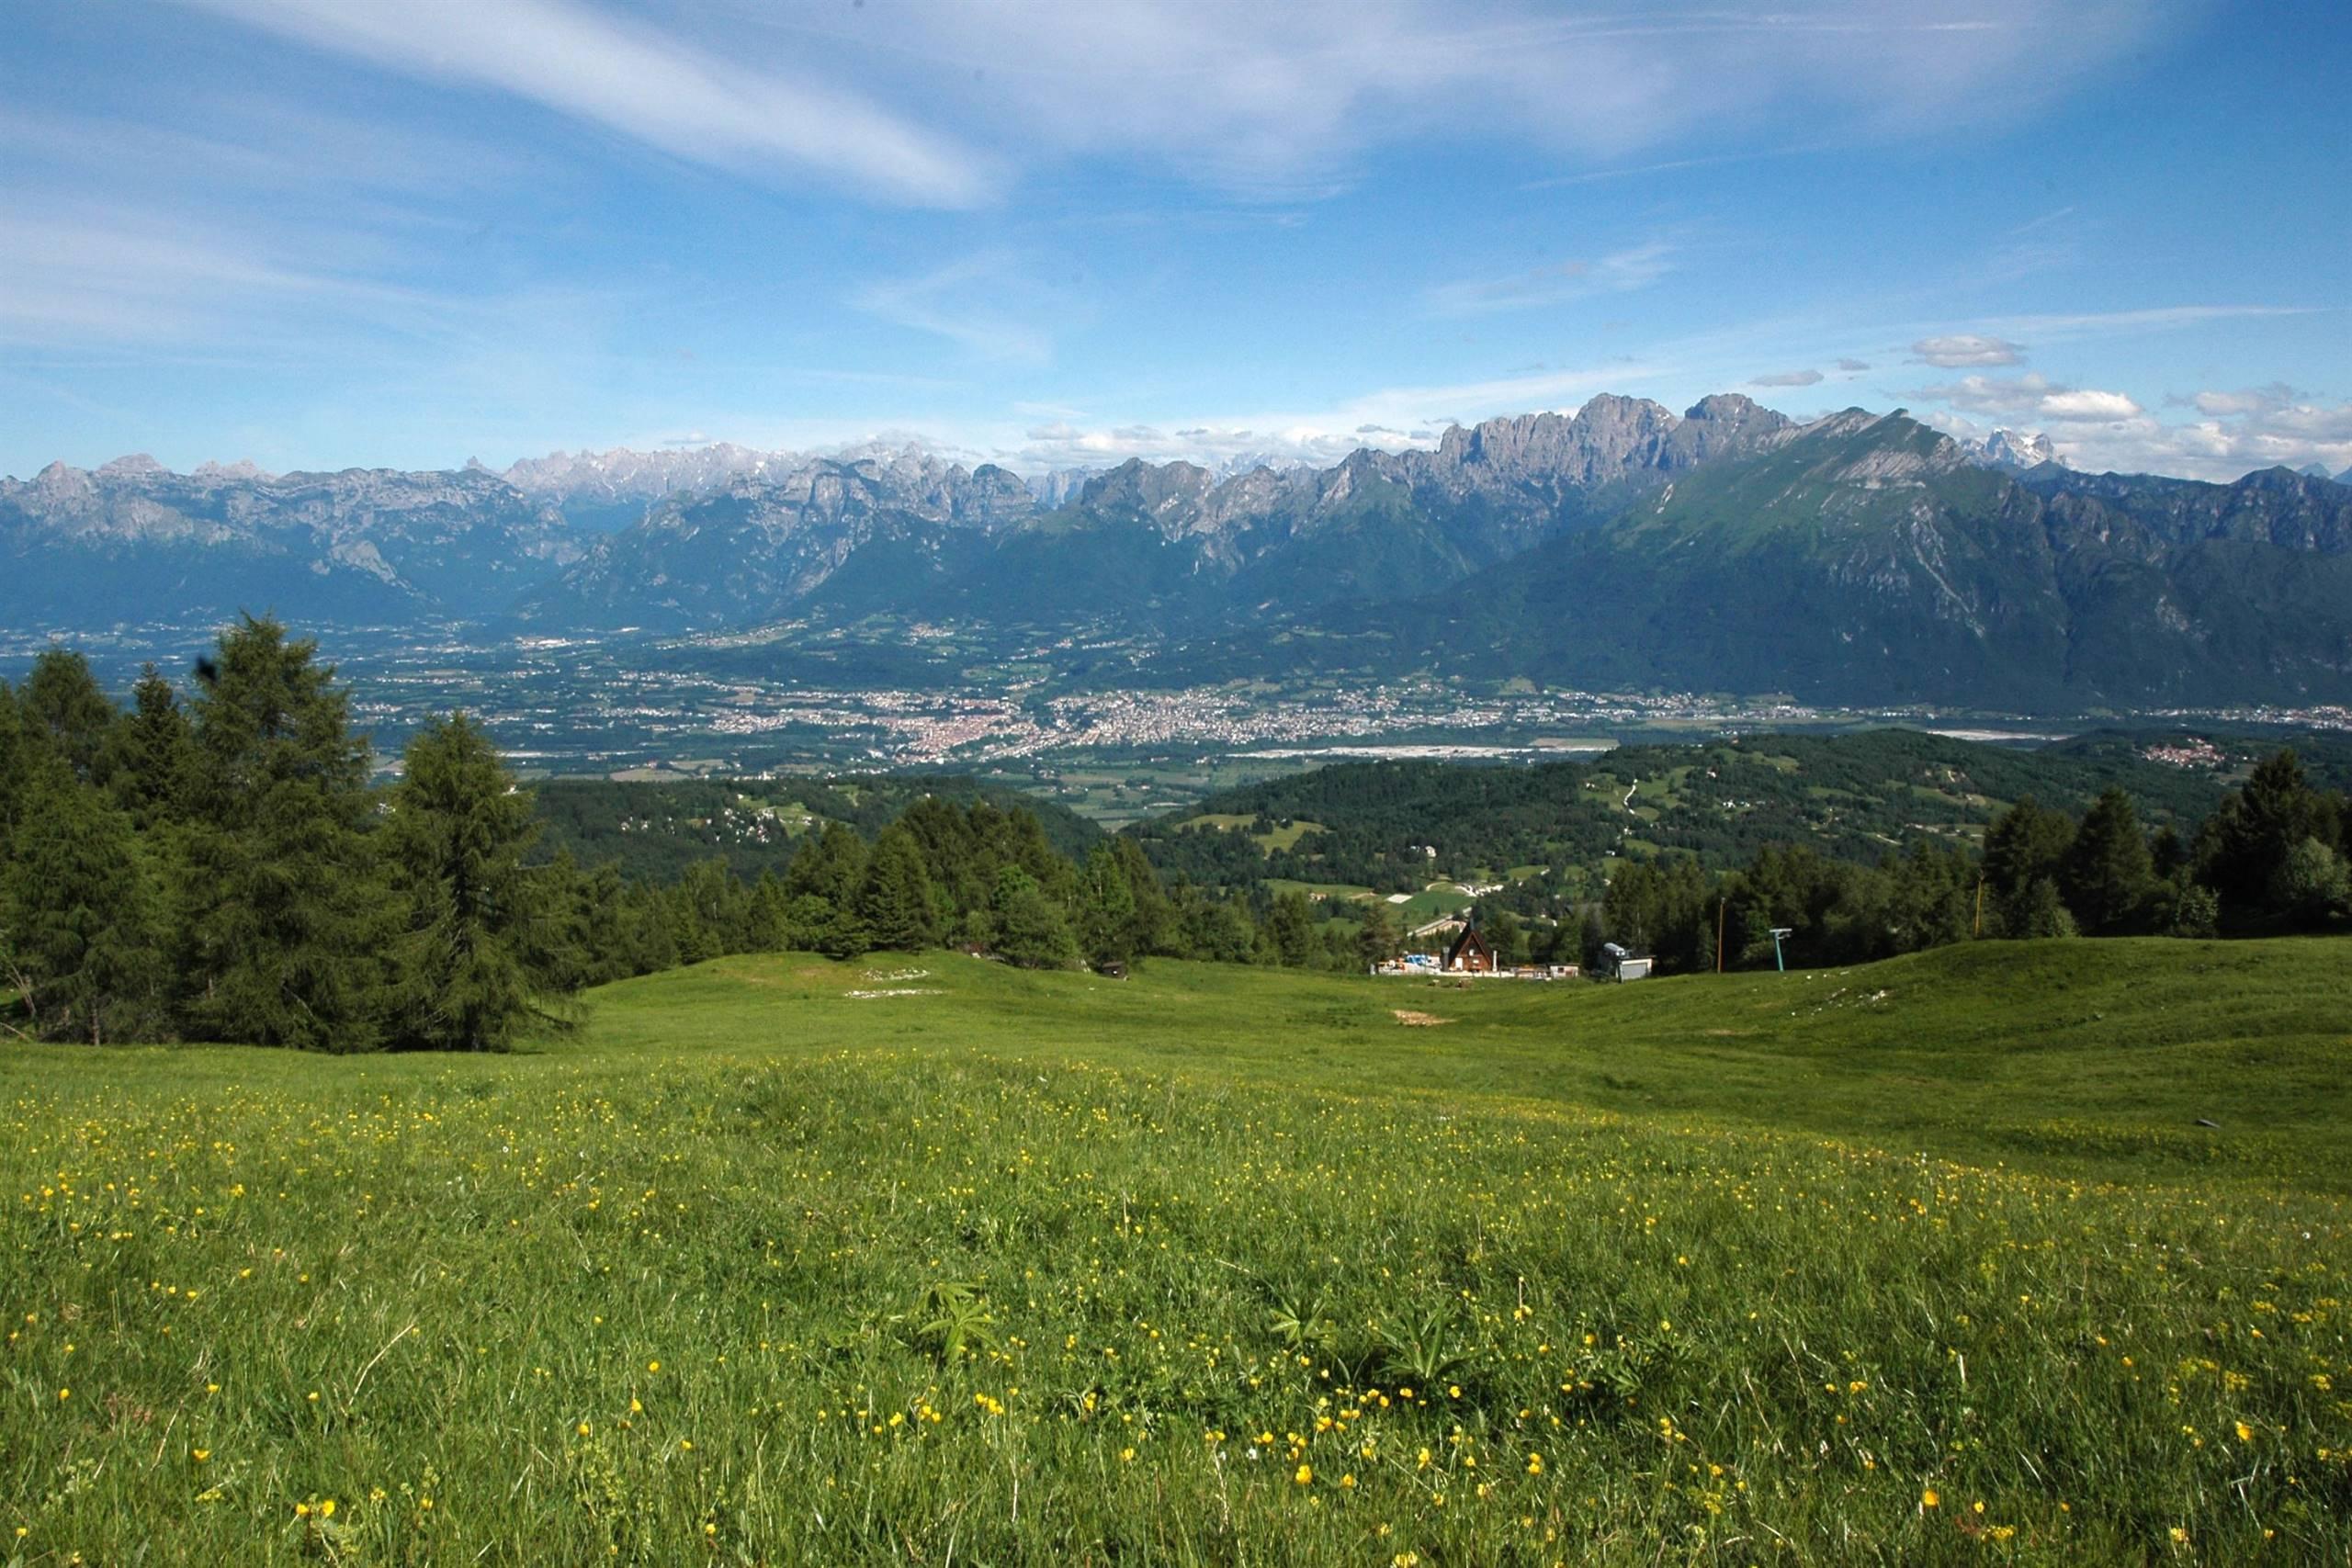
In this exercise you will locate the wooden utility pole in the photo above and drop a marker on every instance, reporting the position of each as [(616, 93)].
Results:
[(1980, 907), (1719, 903)]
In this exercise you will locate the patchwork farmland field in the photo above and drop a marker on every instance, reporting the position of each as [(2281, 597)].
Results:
[(782, 1260)]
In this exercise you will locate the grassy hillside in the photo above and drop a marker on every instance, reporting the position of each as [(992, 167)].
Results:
[(784, 1260)]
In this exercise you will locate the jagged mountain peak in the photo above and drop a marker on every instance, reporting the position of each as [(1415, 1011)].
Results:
[(131, 466)]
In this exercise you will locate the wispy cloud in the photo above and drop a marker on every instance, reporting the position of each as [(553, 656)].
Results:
[(964, 303), (1787, 379), (83, 273), (1618, 272), (1955, 350), (2106, 323), (692, 103)]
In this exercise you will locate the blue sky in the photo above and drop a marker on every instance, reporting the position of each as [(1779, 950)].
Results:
[(1054, 233)]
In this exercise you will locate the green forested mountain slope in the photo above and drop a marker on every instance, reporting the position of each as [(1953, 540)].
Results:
[(658, 830), (1853, 796)]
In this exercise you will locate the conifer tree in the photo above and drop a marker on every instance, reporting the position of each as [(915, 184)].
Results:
[(1376, 940), (14, 758), (150, 752), (286, 915), (831, 865), (1154, 920), (63, 704), (454, 838), (2108, 874), (1107, 913), (1031, 930), (81, 929), (2027, 846), (894, 904), (1290, 929)]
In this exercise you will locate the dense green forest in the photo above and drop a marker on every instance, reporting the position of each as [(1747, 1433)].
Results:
[(1862, 845), (219, 864), (660, 831), (1393, 826)]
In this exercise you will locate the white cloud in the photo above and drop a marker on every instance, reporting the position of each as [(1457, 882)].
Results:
[(1279, 100), (2099, 431), (2030, 396), (703, 104), (1853, 367), (1957, 350), (2250, 399), (1787, 379), (1618, 272), (2088, 405), (1291, 96)]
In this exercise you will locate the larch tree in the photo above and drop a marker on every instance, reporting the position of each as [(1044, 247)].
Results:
[(894, 902), (454, 838), (286, 920)]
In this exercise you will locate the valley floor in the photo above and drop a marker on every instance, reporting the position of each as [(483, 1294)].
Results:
[(778, 1260)]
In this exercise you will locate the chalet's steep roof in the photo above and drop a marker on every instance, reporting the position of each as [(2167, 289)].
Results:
[(1462, 944)]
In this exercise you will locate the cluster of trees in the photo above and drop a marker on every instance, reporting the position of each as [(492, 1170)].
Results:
[(2270, 859), (943, 873), (1849, 794), (221, 866), (222, 869)]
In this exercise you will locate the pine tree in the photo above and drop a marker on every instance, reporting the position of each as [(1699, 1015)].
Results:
[(710, 912), (1155, 915), (1377, 941), (2108, 874), (894, 904), (149, 753), (830, 864), (63, 704), (1505, 937), (287, 919), (2026, 846), (15, 760), (1290, 929), (1107, 913), (80, 918), (454, 838), (1031, 930)]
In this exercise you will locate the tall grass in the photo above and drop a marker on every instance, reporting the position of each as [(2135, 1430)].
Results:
[(1209, 1267)]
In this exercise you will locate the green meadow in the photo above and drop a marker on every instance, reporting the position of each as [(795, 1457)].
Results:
[(776, 1259)]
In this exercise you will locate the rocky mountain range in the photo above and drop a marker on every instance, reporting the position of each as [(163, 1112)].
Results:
[(1866, 559), (1857, 557), (132, 542)]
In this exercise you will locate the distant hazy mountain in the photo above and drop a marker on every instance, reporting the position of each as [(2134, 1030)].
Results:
[(755, 548), (611, 489), (132, 542)]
